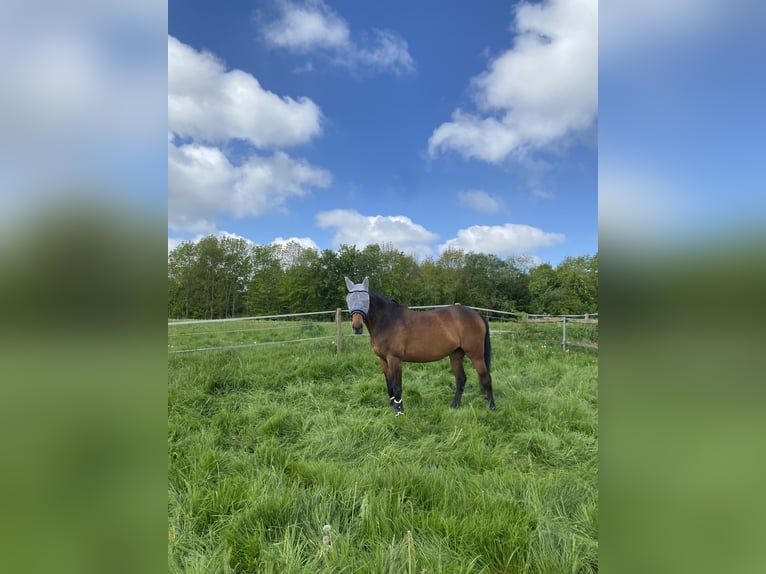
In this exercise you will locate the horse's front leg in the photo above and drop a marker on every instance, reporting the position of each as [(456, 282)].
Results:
[(389, 382), (395, 374)]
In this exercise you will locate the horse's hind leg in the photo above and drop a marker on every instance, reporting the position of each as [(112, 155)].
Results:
[(484, 378), (395, 376), (456, 363), (392, 395)]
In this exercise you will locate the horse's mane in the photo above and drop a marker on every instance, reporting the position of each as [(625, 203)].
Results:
[(384, 298)]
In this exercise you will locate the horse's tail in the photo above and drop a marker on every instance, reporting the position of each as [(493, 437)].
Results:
[(487, 344)]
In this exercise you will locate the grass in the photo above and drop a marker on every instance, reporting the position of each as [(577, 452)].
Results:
[(266, 445)]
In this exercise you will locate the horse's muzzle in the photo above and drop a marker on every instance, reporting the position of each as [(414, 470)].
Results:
[(357, 323)]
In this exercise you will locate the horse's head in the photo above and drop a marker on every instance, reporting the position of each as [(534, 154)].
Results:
[(358, 301)]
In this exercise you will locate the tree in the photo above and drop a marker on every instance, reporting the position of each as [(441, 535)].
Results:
[(450, 265), (394, 272), (234, 274), (263, 295), (207, 270), (181, 284), (299, 289), (515, 283), (543, 290), (329, 278), (227, 276), (578, 280), (479, 281), (426, 284)]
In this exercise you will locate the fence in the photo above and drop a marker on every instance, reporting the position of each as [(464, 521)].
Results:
[(244, 332), (587, 319), (207, 334)]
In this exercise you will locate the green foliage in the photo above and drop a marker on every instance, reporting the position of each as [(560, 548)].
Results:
[(208, 279), (224, 277), (266, 445)]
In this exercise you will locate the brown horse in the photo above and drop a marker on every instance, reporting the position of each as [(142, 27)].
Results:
[(399, 334)]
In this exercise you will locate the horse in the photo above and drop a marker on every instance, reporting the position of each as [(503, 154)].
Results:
[(399, 334)]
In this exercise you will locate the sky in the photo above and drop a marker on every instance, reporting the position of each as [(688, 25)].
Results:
[(426, 125), (681, 123), (83, 107)]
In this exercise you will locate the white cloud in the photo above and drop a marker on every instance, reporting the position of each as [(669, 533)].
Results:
[(304, 27), (210, 106), (313, 27), (174, 242), (353, 228), (80, 99), (388, 51), (539, 93), (502, 240), (480, 200), (203, 183), (197, 177), (208, 103), (305, 242)]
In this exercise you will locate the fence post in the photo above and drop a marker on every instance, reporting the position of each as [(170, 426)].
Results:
[(338, 329), (564, 334)]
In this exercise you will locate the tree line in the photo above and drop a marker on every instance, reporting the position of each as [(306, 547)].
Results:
[(221, 277)]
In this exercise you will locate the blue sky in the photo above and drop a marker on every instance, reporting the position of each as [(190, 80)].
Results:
[(682, 88), (424, 124)]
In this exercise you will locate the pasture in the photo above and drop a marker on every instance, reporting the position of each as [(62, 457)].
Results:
[(267, 444)]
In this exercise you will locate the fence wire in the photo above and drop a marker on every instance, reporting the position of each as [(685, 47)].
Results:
[(219, 334)]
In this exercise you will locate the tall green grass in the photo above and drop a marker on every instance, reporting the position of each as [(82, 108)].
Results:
[(266, 445)]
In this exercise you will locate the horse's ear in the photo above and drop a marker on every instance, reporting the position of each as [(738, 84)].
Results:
[(366, 283), (349, 284)]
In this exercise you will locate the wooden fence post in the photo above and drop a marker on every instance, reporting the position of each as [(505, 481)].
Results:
[(564, 334), (338, 329)]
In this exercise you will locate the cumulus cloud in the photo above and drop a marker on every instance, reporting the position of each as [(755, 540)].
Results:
[(305, 242), (353, 228), (208, 107), (502, 240), (304, 27), (313, 27), (174, 242), (209, 103), (202, 182), (539, 93), (82, 99), (480, 200)]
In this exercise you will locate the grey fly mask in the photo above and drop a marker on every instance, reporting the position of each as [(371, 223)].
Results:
[(358, 298)]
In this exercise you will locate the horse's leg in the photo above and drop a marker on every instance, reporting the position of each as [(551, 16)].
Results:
[(395, 370), (389, 382), (484, 378), (456, 363)]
